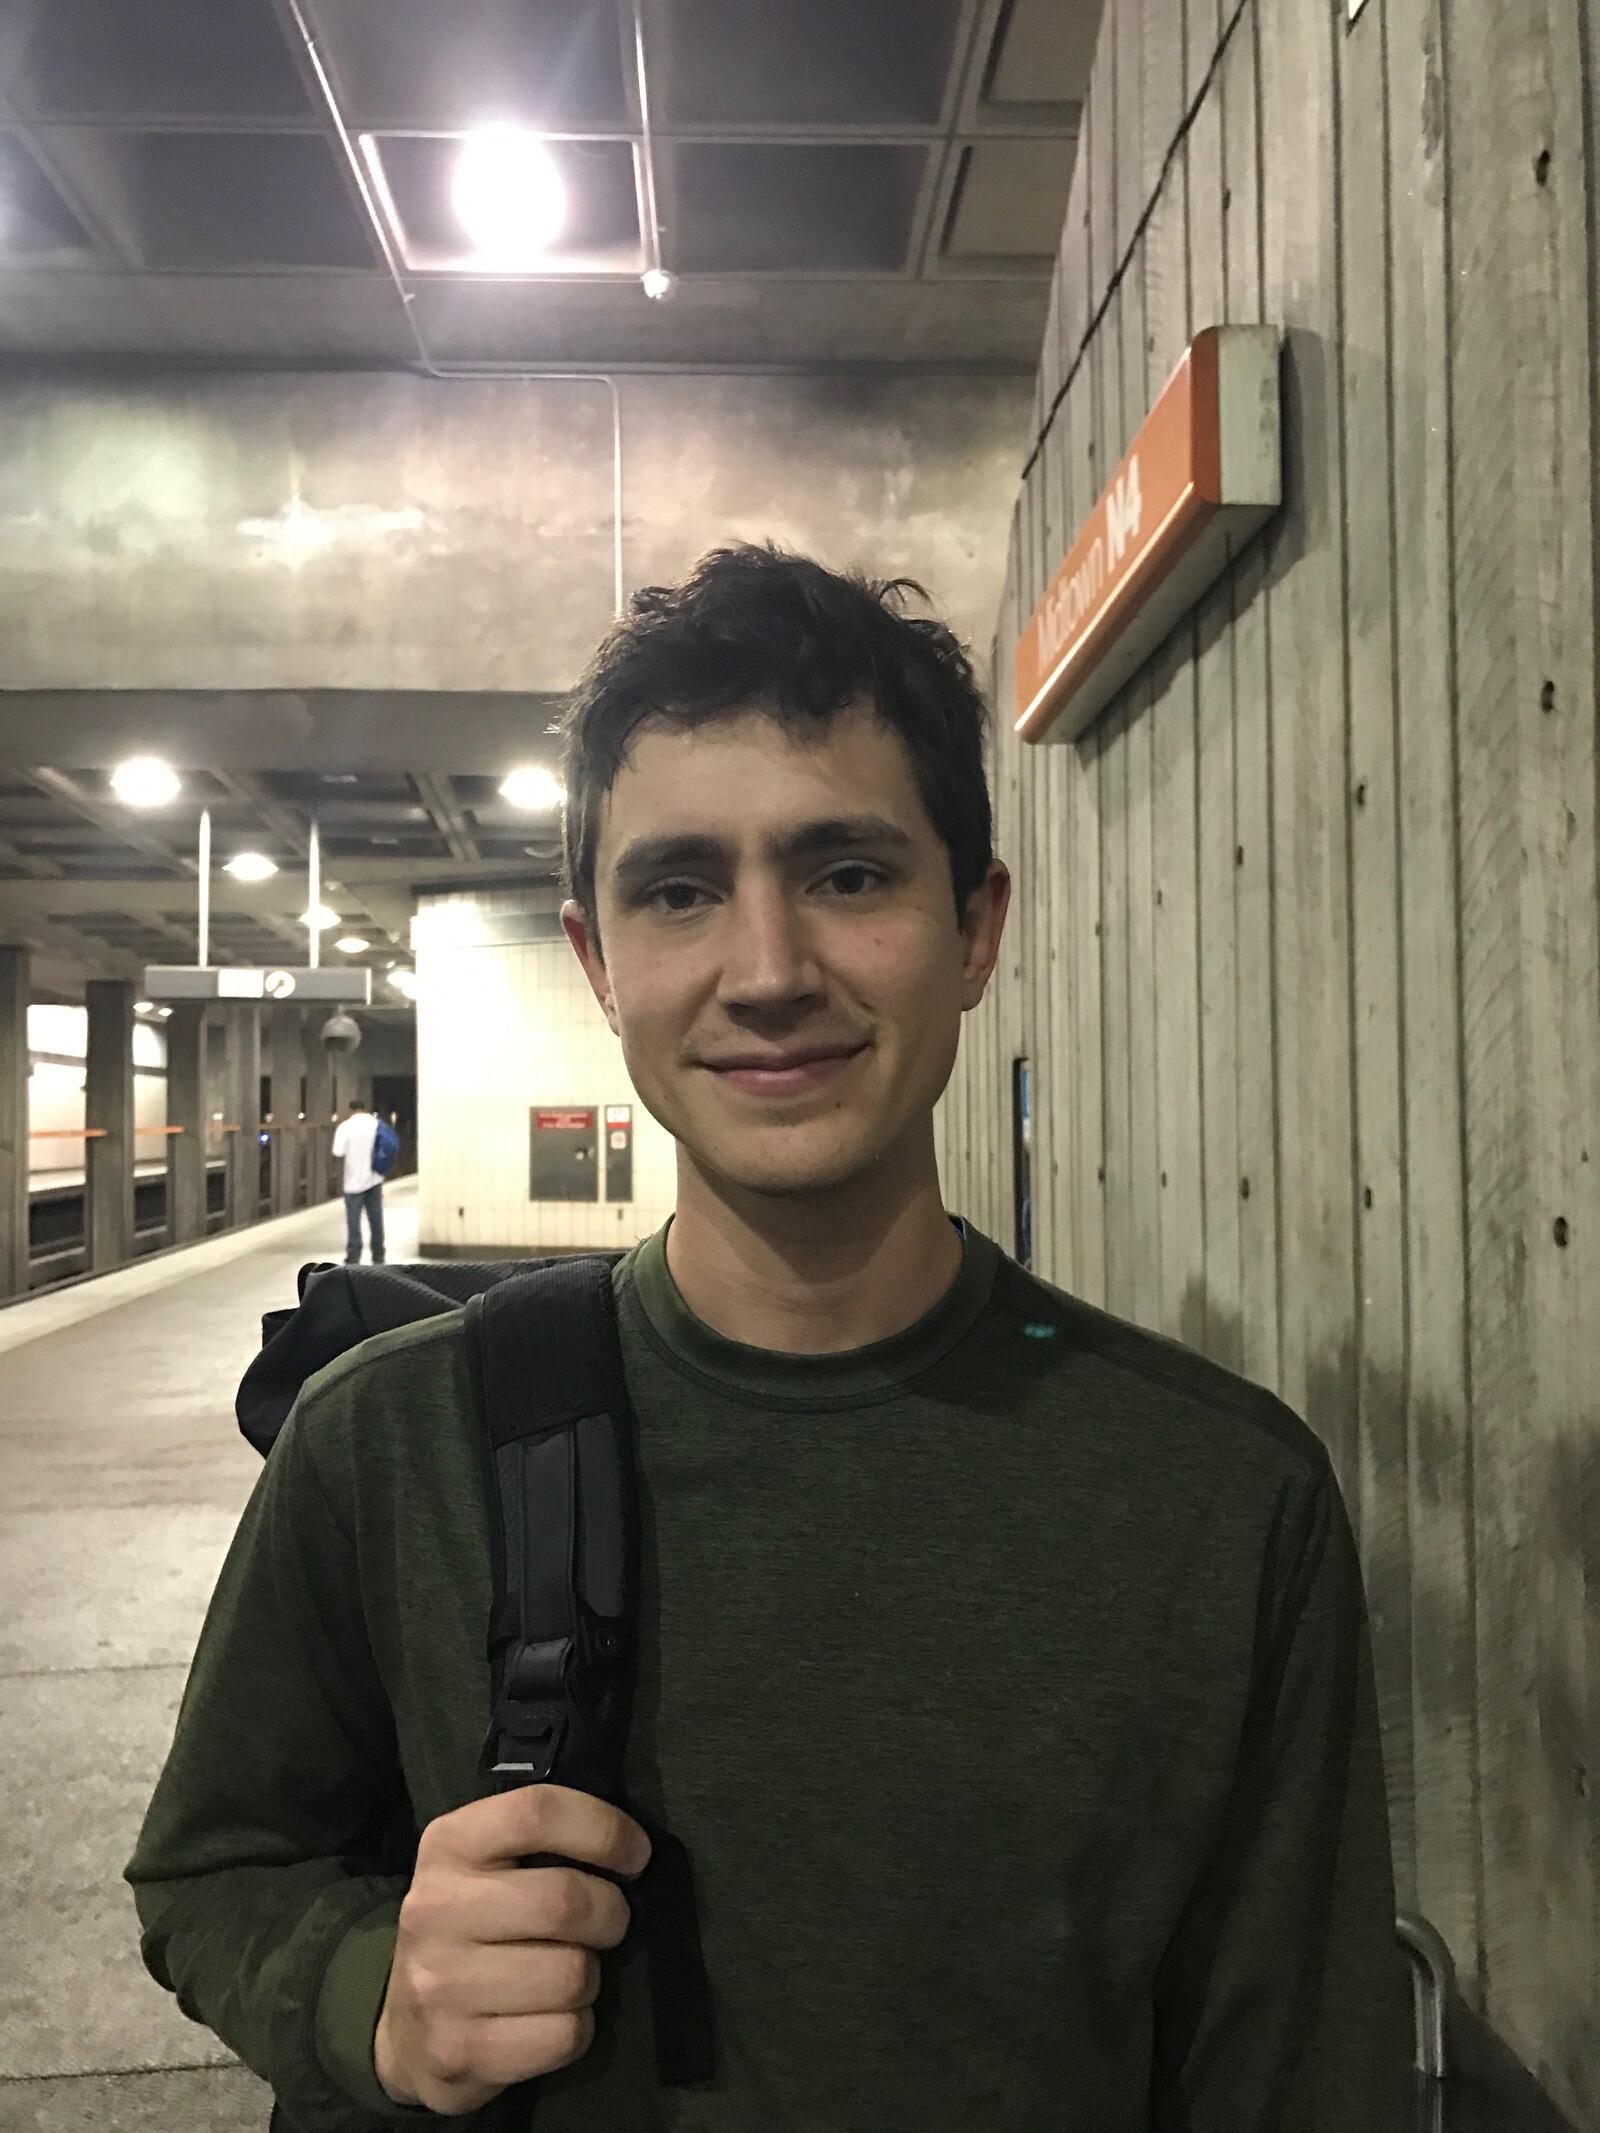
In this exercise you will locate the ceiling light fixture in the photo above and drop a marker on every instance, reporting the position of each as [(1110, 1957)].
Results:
[(508, 195), (532, 789), (144, 1007), (322, 918), (658, 284), (251, 866), (145, 781), (352, 944), (405, 982)]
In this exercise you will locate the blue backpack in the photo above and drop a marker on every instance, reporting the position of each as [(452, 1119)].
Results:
[(385, 1147)]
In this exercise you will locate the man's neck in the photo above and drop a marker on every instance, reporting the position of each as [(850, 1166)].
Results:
[(808, 1278)]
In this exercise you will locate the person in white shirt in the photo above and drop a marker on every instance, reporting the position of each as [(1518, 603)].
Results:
[(363, 1187)]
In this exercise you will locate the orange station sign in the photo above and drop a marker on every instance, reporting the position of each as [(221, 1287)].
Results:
[(1203, 473)]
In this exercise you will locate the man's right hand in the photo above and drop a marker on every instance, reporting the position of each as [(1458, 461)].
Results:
[(495, 1971)]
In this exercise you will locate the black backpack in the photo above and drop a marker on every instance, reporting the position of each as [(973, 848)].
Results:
[(558, 1452)]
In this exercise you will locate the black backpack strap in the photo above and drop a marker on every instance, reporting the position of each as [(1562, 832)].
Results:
[(559, 1443)]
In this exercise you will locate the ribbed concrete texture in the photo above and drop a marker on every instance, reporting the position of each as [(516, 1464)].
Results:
[(122, 1475)]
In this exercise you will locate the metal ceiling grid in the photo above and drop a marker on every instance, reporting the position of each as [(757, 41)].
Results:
[(84, 877), (893, 172)]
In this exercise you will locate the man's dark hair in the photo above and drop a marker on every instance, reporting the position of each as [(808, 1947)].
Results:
[(754, 625)]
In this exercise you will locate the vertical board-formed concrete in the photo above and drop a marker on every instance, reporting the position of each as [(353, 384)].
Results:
[(285, 1066), (14, 986), (1382, 1458), (1320, 885), (1310, 760), (1261, 1345), (1438, 1430), (108, 1109), (1525, 686), (319, 1110), (241, 1039), (186, 1111)]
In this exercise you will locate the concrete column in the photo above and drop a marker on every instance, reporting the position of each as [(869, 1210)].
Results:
[(241, 1038), (14, 989), (319, 1110), (286, 1064), (108, 1214), (186, 1108)]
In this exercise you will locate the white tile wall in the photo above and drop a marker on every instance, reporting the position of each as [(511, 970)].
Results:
[(503, 1028), (56, 1092)]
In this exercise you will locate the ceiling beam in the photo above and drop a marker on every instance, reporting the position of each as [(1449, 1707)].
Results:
[(278, 898), (30, 862), (439, 799), (85, 956), (469, 731), (382, 914), (112, 818)]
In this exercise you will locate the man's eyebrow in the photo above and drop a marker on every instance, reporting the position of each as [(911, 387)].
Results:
[(807, 840)]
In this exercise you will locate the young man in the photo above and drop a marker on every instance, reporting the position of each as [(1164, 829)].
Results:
[(353, 1140), (1005, 1668)]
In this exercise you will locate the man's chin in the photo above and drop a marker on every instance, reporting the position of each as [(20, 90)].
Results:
[(780, 1171)]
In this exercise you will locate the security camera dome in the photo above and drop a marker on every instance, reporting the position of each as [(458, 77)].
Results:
[(341, 1032)]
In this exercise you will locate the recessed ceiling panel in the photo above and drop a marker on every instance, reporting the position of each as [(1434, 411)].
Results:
[(538, 856), (784, 208), (808, 62), (307, 789), (453, 63), (35, 222), (350, 846), (143, 59), (219, 200), (600, 233), (1009, 201), (1042, 51)]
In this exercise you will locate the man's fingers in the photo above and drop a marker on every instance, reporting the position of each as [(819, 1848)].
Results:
[(511, 1826), (536, 1903), (510, 1980), (511, 2048)]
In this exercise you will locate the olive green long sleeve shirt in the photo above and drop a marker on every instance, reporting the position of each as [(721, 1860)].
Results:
[(1009, 1682)]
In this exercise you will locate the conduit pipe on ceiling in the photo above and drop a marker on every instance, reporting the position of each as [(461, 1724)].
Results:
[(447, 372)]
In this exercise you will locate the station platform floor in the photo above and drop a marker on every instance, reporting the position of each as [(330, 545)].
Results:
[(122, 1476)]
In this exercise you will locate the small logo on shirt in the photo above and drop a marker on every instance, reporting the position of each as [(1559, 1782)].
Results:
[(1040, 1333)]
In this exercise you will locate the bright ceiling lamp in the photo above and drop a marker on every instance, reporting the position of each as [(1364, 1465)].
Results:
[(145, 781), (404, 981), (352, 944), (251, 866), (533, 789), (508, 195), (144, 1007), (322, 918)]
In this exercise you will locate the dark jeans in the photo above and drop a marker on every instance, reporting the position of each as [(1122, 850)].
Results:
[(372, 1201)]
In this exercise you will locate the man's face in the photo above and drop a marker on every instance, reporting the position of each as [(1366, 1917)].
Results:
[(742, 947)]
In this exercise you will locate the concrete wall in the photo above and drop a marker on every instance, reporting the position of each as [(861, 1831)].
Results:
[(506, 1023), (371, 531), (1305, 949)]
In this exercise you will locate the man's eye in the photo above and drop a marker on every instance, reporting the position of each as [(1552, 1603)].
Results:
[(871, 877)]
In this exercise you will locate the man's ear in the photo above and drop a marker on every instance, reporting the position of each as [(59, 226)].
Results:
[(585, 939)]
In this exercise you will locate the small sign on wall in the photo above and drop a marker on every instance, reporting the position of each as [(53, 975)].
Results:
[(619, 1151), (564, 1165), (1203, 473)]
